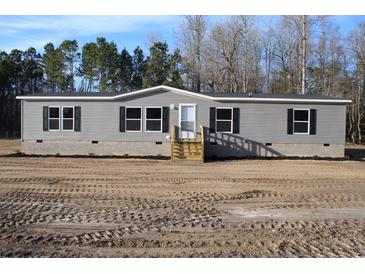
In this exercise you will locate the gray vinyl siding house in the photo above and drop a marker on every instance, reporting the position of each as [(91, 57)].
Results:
[(140, 123)]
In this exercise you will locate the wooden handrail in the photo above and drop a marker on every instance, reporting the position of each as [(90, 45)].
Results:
[(202, 141)]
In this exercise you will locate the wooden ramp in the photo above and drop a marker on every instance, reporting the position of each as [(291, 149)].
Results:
[(187, 150)]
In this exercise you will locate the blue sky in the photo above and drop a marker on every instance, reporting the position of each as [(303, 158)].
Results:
[(22, 32)]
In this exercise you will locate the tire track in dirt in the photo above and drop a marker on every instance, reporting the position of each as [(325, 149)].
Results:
[(66, 207)]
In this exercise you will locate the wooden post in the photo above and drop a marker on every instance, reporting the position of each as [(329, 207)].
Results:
[(173, 141), (202, 142)]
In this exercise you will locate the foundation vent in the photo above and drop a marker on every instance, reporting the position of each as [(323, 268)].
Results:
[(95, 142)]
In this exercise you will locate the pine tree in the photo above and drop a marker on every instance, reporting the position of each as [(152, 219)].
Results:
[(113, 68), (70, 49), (139, 69), (33, 72), (102, 63), (54, 67), (15, 62), (175, 70), (107, 64), (88, 67), (126, 70), (158, 66)]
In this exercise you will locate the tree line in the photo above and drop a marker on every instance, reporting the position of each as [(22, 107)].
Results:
[(97, 66), (295, 54)]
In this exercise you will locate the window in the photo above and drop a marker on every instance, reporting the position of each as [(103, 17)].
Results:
[(154, 119), (224, 120), (133, 119), (68, 118), (301, 121), (54, 118)]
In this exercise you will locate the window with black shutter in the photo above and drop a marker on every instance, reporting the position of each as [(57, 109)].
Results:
[(77, 118), (122, 119), (165, 119), (65, 118), (313, 122), (290, 121), (212, 119), (45, 118), (236, 120)]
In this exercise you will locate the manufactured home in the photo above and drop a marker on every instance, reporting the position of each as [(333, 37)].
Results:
[(165, 121)]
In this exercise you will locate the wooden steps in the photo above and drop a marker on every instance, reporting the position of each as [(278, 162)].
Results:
[(187, 150)]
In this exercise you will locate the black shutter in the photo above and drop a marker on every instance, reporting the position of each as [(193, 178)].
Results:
[(45, 118), (313, 121), (165, 119), (236, 120), (77, 118), (122, 119), (212, 120), (290, 121)]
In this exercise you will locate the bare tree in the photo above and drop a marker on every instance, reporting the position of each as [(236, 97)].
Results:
[(298, 54), (224, 42), (251, 50), (326, 65), (304, 36), (234, 55), (301, 24), (286, 60), (267, 43), (357, 42), (191, 36), (294, 39)]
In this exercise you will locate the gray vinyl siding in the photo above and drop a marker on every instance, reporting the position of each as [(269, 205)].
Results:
[(259, 122)]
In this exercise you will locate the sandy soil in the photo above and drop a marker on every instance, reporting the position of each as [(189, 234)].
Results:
[(9, 146), (71, 207)]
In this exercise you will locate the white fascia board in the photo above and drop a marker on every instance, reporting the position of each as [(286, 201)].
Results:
[(176, 90), (63, 98), (92, 97), (280, 100), (141, 91)]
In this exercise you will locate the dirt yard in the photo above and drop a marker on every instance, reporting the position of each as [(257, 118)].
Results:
[(9, 146), (85, 207)]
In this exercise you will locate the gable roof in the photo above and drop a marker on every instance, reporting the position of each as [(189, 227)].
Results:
[(214, 96)]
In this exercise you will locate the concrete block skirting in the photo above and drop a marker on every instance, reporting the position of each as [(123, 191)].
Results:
[(32, 147)]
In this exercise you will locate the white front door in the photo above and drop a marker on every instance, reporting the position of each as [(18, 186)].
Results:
[(187, 121)]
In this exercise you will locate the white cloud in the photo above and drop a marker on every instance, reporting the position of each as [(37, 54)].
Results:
[(81, 25), (21, 32)]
